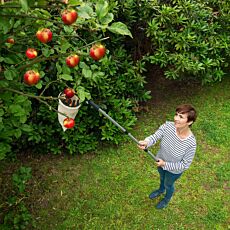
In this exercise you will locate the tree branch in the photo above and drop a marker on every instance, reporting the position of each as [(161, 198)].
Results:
[(37, 60), (29, 16), (39, 98), (31, 95), (46, 87)]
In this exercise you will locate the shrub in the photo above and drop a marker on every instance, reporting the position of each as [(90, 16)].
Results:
[(190, 39)]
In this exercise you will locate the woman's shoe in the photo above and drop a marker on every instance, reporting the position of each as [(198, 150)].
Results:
[(163, 203), (155, 194)]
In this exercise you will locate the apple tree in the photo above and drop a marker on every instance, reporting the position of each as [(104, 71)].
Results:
[(47, 46)]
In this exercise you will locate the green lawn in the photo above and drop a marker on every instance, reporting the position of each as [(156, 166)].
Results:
[(109, 189)]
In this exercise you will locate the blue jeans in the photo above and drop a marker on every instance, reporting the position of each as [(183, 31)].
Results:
[(167, 180)]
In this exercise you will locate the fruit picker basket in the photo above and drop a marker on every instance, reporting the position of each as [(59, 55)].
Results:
[(68, 105)]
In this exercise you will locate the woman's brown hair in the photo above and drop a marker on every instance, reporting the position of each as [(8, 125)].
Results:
[(189, 109)]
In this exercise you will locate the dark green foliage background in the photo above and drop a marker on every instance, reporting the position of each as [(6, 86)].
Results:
[(188, 39)]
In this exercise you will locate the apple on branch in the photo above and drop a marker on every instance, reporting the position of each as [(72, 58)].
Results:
[(69, 16), (72, 60), (69, 123), (10, 40), (31, 53), (97, 51), (69, 93), (44, 35), (31, 77)]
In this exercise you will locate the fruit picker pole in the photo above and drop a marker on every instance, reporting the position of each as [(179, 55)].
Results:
[(95, 106)]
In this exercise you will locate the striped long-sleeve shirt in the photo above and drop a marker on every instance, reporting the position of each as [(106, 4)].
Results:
[(176, 152)]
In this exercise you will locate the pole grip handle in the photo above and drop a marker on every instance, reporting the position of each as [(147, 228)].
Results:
[(93, 104)]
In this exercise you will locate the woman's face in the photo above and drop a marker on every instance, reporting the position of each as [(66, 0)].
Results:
[(180, 120)]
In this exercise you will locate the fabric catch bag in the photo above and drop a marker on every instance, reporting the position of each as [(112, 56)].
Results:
[(71, 112)]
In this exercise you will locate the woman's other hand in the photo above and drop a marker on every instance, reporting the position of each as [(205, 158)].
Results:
[(160, 163), (143, 144)]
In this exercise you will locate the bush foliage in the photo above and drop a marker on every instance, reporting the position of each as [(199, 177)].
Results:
[(190, 39)]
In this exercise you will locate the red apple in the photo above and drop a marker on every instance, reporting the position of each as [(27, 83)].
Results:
[(69, 123), (97, 51), (69, 16), (44, 35), (69, 92), (31, 53), (72, 60), (31, 77), (10, 40)]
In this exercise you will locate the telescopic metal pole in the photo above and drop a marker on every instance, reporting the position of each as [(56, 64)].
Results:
[(95, 106)]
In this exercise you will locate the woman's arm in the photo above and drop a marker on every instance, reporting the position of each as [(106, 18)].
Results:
[(152, 139)]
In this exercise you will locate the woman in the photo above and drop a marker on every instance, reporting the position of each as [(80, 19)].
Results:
[(177, 150)]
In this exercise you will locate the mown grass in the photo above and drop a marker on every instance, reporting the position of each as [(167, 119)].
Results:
[(108, 189)]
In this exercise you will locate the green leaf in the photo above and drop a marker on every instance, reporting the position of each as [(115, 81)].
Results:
[(74, 2), (17, 23), (102, 8), (11, 22), (85, 12), (87, 73), (23, 119), (66, 77), (119, 28), (4, 25), (3, 84), (82, 65), (17, 133), (98, 76), (24, 4), (9, 60), (64, 46), (4, 148), (107, 19), (39, 85), (1, 112), (83, 94), (26, 128), (10, 74), (66, 69), (44, 12), (59, 68), (17, 110), (19, 99), (8, 133), (47, 52), (68, 29)]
